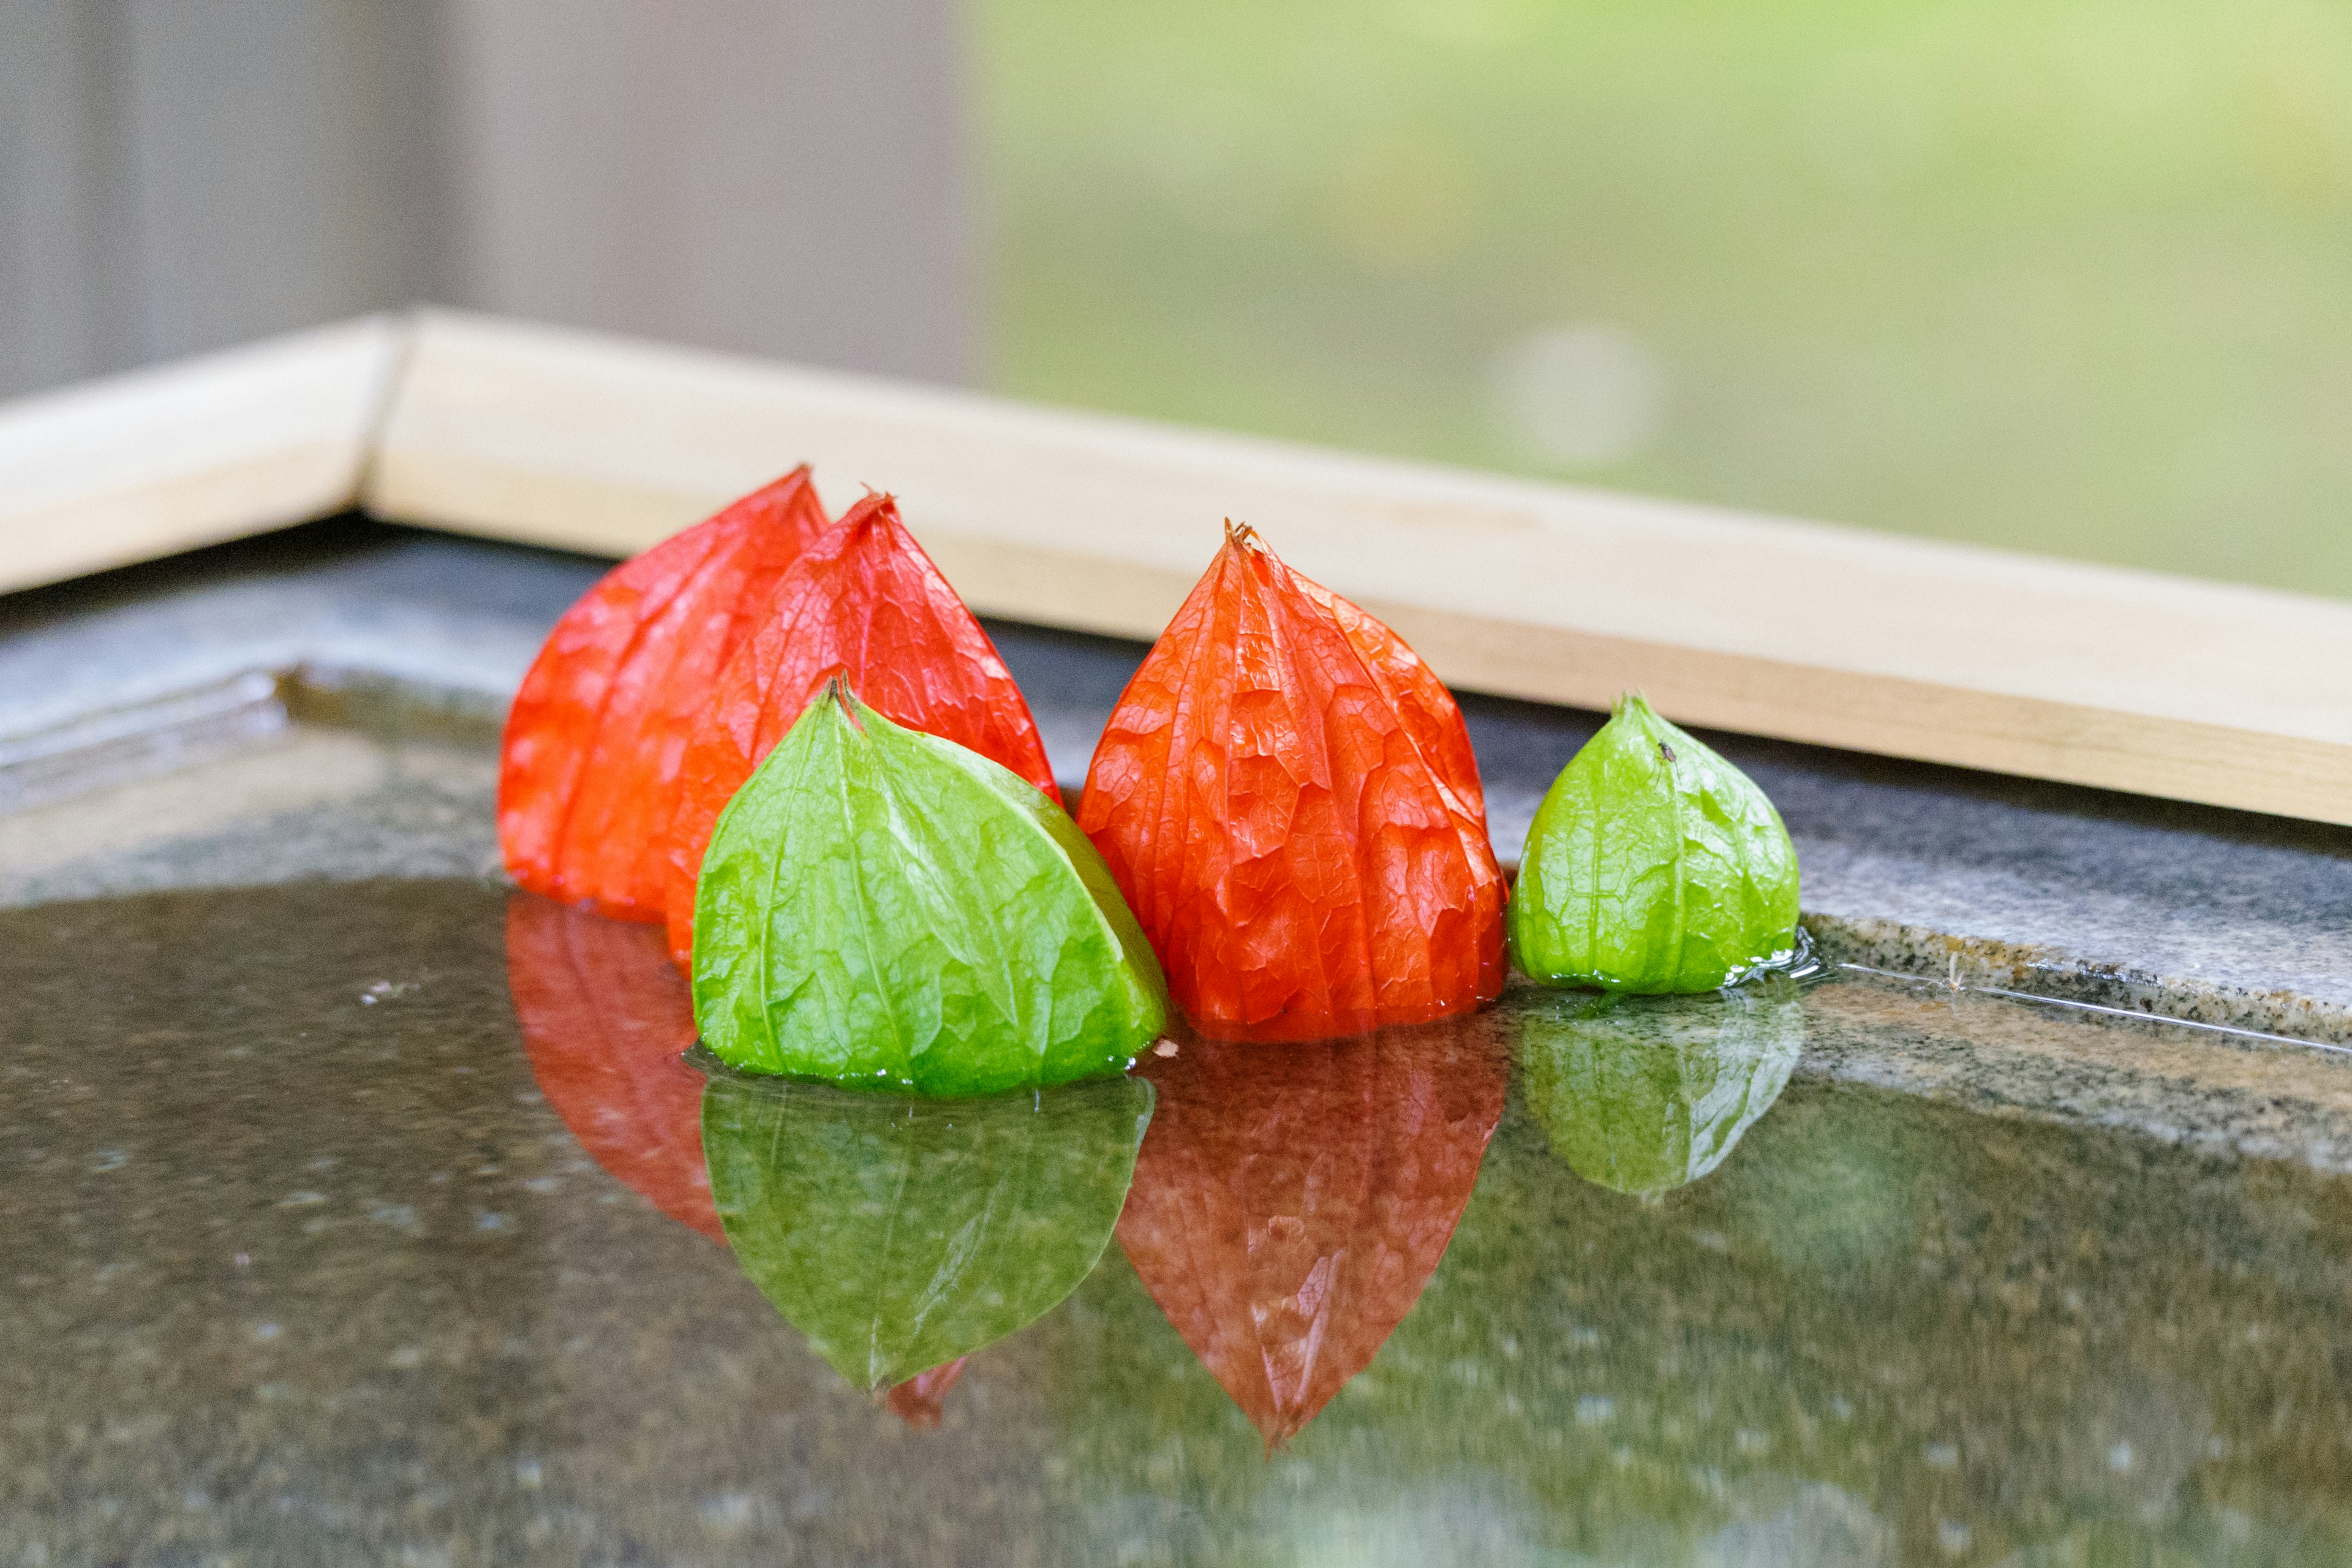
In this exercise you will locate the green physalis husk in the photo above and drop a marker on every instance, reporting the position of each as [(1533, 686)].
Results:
[(898, 1235), (1645, 1096), (1652, 866), (886, 909)]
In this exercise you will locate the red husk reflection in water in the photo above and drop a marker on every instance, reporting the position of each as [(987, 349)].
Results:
[(1291, 1202), (605, 1020), (919, 1400)]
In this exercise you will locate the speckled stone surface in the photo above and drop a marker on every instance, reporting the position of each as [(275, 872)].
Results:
[(2220, 916)]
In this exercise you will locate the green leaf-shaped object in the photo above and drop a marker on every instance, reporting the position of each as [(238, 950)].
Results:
[(1652, 866), (898, 1234), (1645, 1096), (881, 908)]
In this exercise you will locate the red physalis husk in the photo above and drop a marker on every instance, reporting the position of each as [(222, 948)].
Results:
[(588, 780), (1288, 799), (605, 1021), (865, 603), (1290, 1206)]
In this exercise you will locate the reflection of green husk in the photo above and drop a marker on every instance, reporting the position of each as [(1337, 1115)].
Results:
[(883, 908), (1645, 1097), (898, 1234), (1652, 866)]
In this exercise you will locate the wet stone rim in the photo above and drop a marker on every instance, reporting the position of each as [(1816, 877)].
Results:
[(1982, 963)]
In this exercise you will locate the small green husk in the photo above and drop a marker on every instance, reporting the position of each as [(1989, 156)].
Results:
[(1652, 866)]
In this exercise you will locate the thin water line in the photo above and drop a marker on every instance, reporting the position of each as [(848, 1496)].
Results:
[(2230, 1029), (251, 692), (142, 739)]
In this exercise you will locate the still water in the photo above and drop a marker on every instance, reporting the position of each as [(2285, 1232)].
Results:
[(395, 1223)]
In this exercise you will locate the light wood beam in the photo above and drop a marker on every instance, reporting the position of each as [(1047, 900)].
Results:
[(156, 461), (1836, 637)]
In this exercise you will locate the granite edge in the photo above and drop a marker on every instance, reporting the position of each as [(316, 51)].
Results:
[(2048, 970)]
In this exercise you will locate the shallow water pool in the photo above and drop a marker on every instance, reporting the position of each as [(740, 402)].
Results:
[(384, 1222)]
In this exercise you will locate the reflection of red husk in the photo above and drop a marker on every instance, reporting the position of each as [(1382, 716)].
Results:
[(605, 1020), (918, 1401), (1290, 1203), (588, 772)]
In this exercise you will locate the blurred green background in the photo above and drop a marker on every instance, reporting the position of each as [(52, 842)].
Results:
[(2069, 277)]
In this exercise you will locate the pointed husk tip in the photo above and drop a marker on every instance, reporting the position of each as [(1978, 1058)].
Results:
[(1630, 700), (837, 692)]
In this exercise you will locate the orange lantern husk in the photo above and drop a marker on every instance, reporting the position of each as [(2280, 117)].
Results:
[(864, 603), (1288, 799), (1290, 1204), (605, 1021), (587, 777)]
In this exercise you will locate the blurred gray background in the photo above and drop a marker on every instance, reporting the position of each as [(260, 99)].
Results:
[(771, 176), (2072, 276)]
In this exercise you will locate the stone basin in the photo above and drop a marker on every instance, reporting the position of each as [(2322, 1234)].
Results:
[(359, 1208)]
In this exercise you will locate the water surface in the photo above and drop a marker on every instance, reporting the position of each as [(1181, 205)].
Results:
[(371, 1222)]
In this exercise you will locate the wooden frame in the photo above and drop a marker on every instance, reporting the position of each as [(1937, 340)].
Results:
[(2088, 675), (134, 467)]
